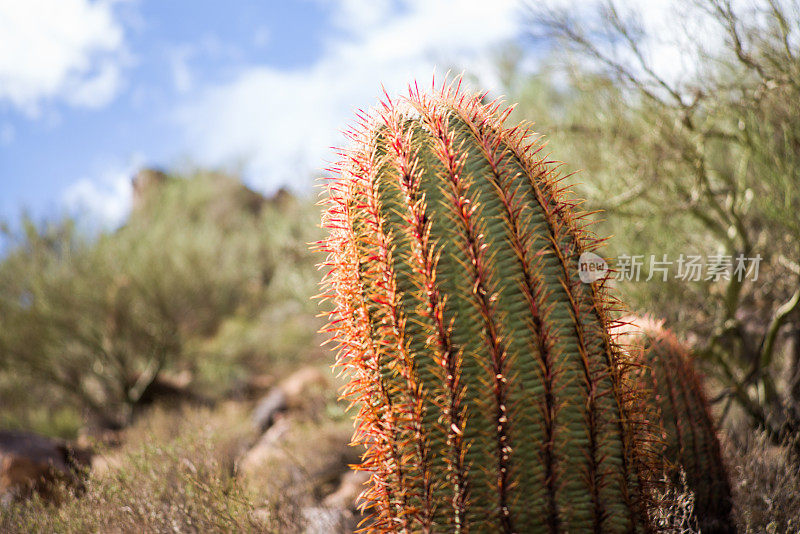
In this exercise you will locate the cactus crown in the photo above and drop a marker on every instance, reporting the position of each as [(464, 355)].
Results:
[(683, 413), (489, 393)]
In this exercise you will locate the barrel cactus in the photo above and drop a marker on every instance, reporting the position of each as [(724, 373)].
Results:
[(682, 411), (489, 394)]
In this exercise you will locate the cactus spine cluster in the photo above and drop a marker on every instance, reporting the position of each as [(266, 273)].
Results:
[(489, 392), (682, 411)]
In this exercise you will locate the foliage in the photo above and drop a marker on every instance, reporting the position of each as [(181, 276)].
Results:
[(98, 320), (489, 393), (703, 163)]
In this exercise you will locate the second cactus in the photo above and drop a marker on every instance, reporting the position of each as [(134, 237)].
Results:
[(682, 411), (489, 393)]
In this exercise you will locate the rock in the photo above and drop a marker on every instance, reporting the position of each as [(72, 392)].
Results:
[(268, 408), (346, 495), (321, 520), (266, 448), (297, 384), (144, 183), (298, 453), (31, 463), (292, 391), (281, 198)]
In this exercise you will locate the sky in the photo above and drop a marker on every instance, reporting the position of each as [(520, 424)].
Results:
[(92, 90)]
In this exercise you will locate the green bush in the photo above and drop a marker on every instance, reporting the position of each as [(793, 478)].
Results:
[(93, 322), (700, 161)]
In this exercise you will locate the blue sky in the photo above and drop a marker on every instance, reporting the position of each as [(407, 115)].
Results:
[(92, 90)]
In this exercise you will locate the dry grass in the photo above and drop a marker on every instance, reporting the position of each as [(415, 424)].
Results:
[(673, 507), (183, 470), (173, 473), (178, 487), (766, 485)]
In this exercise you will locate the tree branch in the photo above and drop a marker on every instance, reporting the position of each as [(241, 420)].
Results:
[(778, 320)]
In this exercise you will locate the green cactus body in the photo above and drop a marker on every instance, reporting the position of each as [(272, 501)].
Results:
[(683, 413), (489, 393)]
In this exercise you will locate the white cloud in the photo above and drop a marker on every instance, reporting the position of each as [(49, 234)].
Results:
[(105, 199), (59, 49), (280, 124), (97, 90), (356, 15), (674, 34), (179, 66)]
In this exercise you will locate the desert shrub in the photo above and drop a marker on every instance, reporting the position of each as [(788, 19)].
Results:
[(672, 508), (279, 333), (94, 321), (101, 321), (701, 161), (766, 485), (205, 277), (54, 416)]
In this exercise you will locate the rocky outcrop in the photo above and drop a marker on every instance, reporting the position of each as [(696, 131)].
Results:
[(323, 520), (268, 409), (32, 463), (144, 184), (346, 495), (291, 392), (303, 455), (338, 512)]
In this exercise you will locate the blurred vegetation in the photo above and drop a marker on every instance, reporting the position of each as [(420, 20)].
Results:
[(206, 277), (705, 163)]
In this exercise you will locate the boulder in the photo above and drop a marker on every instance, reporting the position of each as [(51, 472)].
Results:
[(268, 408), (32, 463), (267, 447), (144, 184), (321, 520), (302, 381), (346, 495), (293, 391)]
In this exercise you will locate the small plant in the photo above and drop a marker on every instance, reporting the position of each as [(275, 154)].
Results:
[(490, 396), (691, 443)]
